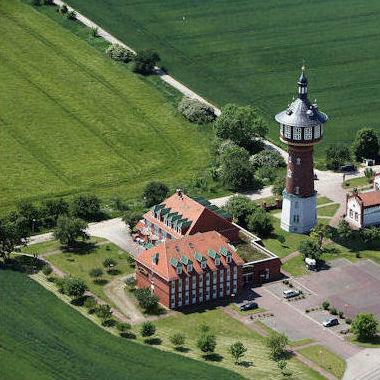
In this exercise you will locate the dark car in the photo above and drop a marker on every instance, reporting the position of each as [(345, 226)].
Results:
[(249, 306), (348, 168), (330, 322)]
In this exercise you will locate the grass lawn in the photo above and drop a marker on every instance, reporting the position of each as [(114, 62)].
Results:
[(323, 200), (256, 364), (46, 339), (79, 263), (328, 210), (325, 359), (247, 312), (250, 52), (358, 182), (372, 344), (74, 122)]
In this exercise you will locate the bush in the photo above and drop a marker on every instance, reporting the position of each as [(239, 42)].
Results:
[(348, 321), (240, 207), (145, 61), (341, 314), (333, 311), (122, 326), (108, 322), (35, 3), (260, 223), (96, 272), (131, 261), (279, 186), (196, 111), (71, 15), (86, 207), (109, 262), (90, 303), (103, 311), (147, 300), (147, 329), (207, 342), (177, 339), (47, 269), (154, 192), (119, 53), (277, 343), (268, 158), (130, 282), (336, 156), (47, 2), (94, 32), (325, 305), (73, 287), (364, 326), (237, 351), (63, 9)]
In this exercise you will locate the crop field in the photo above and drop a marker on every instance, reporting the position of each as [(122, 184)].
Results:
[(250, 51), (46, 339), (72, 121)]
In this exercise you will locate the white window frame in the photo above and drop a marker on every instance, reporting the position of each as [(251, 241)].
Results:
[(288, 132), (317, 131), (297, 133), (308, 133)]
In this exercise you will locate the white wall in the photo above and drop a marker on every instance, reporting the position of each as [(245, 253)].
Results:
[(353, 212), (376, 183)]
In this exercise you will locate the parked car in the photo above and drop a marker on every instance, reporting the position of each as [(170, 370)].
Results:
[(348, 168), (249, 306), (330, 322), (291, 293)]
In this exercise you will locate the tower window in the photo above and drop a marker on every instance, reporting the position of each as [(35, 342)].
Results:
[(297, 133), (289, 173), (296, 218), (317, 132), (308, 133), (288, 132), (298, 161), (297, 190)]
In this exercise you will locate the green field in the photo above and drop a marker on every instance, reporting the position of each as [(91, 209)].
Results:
[(251, 51), (45, 339), (72, 121)]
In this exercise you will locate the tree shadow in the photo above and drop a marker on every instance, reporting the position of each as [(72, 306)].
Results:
[(80, 248), (128, 335), (182, 349), (113, 272), (153, 341), (213, 357), (100, 281), (78, 301), (245, 364), (24, 264)]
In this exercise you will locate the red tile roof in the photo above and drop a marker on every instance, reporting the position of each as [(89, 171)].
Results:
[(187, 246), (370, 198)]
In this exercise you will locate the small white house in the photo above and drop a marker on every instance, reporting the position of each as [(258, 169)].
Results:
[(376, 182), (363, 209)]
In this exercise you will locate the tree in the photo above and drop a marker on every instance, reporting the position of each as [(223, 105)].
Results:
[(237, 351), (103, 312), (336, 156), (366, 144), (236, 171), (277, 343), (243, 125), (69, 229), (131, 218), (260, 223), (96, 272), (268, 158), (12, 234), (370, 236), (147, 300), (119, 53), (145, 61), (109, 263), (364, 326), (196, 111), (310, 248), (52, 209), (369, 174), (73, 287), (278, 186), (86, 207), (177, 339), (318, 233), (29, 213), (240, 207), (343, 230), (206, 342), (154, 193), (147, 329)]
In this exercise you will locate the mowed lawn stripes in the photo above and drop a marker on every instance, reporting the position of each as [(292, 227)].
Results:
[(250, 51), (72, 121)]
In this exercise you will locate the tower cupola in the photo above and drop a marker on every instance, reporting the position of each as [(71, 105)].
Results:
[(302, 84)]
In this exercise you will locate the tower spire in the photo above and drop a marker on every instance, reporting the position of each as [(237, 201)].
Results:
[(302, 84)]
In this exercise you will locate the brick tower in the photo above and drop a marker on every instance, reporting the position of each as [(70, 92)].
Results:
[(301, 127)]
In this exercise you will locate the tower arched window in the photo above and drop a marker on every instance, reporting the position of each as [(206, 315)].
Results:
[(317, 132), (287, 132), (298, 161), (297, 190)]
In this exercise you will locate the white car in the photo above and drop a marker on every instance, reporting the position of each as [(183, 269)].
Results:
[(291, 293)]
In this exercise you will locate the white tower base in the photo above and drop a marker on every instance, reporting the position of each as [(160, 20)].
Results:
[(298, 214)]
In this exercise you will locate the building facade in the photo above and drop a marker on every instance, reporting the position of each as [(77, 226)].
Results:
[(181, 215), (193, 270), (376, 182), (363, 209), (301, 127)]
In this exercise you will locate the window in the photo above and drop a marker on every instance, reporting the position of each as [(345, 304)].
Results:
[(317, 132), (228, 272), (200, 298), (190, 268), (173, 285), (289, 173), (298, 161), (297, 133), (172, 305), (356, 216), (221, 293), (217, 261), (308, 133), (351, 213), (228, 259), (297, 190), (221, 276), (214, 294), (288, 132), (203, 264), (296, 218), (179, 270), (214, 276), (194, 299)]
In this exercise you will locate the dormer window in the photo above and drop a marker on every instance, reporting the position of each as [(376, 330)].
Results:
[(203, 264), (217, 261), (179, 270), (189, 267)]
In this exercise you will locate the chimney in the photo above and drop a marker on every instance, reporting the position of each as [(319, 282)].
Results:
[(180, 193)]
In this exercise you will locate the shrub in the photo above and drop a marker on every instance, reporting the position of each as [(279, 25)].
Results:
[(35, 3), (131, 261), (206, 342), (366, 144), (73, 286), (47, 269), (154, 192), (90, 303), (47, 2), (147, 329), (147, 300), (145, 61), (196, 111), (63, 9), (333, 311), (130, 282), (103, 311), (348, 321), (364, 326), (268, 158), (260, 223), (177, 339), (237, 351), (108, 322), (119, 53), (336, 156), (341, 314), (122, 326), (96, 272), (131, 217), (71, 15), (325, 305), (278, 186), (277, 343), (109, 262)]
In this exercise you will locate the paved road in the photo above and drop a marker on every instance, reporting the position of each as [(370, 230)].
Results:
[(365, 365)]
